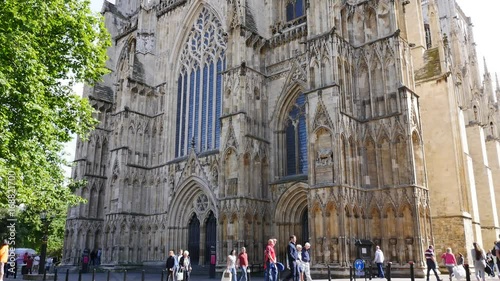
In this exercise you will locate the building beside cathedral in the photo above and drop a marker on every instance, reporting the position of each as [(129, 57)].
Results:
[(227, 122)]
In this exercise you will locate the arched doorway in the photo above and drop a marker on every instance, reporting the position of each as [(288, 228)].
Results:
[(210, 237), (305, 226), (194, 239)]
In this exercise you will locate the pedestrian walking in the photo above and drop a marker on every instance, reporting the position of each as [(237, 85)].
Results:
[(306, 260), (185, 264), (4, 256), (231, 265), (292, 256), (479, 258), (379, 261), (243, 263), (430, 259), (449, 261), (270, 270), (170, 266)]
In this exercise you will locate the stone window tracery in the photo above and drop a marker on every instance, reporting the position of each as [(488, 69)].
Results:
[(296, 138), (199, 93), (294, 9)]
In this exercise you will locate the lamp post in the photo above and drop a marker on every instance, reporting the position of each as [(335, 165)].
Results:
[(43, 250)]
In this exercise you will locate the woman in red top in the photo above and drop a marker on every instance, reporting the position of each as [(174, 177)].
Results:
[(243, 263), (449, 261)]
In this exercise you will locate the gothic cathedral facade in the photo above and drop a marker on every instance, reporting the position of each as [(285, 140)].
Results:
[(227, 122)]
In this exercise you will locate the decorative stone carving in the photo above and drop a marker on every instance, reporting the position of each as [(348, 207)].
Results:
[(201, 204), (145, 43), (324, 157)]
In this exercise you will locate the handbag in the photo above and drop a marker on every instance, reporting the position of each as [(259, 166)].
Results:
[(459, 271), (226, 275), (180, 275)]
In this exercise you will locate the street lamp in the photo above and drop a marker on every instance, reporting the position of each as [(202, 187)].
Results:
[(43, 250)]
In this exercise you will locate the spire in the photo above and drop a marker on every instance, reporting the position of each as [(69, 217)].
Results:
[(498, 85), (485, 66)]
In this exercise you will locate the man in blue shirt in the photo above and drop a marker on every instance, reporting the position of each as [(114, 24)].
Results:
[(306, 259)]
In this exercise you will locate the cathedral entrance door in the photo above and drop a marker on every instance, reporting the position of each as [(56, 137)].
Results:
[(194, 239), (210, 237), (305, 226)]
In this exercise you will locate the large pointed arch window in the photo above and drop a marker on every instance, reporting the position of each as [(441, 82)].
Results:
[(199, 86), (296, 138), (294, 9)]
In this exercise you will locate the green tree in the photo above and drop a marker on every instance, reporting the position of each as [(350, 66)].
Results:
[(46, 46)]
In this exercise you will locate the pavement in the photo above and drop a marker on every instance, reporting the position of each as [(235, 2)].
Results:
[(137, 276)]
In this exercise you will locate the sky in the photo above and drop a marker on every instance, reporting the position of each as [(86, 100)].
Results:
[(485, 18)]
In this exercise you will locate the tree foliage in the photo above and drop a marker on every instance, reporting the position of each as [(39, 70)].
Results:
[(46, 46)]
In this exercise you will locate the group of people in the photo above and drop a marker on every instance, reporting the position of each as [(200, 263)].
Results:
[(178, 266), (27, 263), (483, 261), (240, 262), (298, 261)]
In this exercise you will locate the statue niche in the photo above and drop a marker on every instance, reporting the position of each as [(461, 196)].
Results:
[(324, 156)]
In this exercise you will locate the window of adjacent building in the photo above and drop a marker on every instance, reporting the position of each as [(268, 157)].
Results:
[(294, 9), (296, 138), (199, 86)]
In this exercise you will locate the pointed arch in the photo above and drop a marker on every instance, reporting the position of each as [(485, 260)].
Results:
[(371, 178), (386, 161), (199, 84), (363, 89), (401, 152), (353, 162), (291, 133), (289, 210), (371, 26), (375, 223), (389, 221), (344, 159), (418, 159), (377, 87), (230, 164)]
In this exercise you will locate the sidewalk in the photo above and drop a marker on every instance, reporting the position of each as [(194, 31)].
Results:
[(137, 276)]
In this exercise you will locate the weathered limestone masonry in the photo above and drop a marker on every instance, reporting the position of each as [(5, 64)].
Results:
[(459, 117), (227, 122)]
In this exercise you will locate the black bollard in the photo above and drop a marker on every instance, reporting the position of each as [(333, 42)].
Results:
[(44, 275), (350, 273), (125, 275), (467, 272), (162, 273), (388, 275), (67, 275), (142, 276), (80, 275), (329, 273), (371, 271), (93, 274), (412, 271), (55, 274), (249, 270), (108, 275)]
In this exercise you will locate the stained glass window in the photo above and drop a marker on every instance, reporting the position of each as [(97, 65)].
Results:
[(200, 85), (294, 9), (296, 138)]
